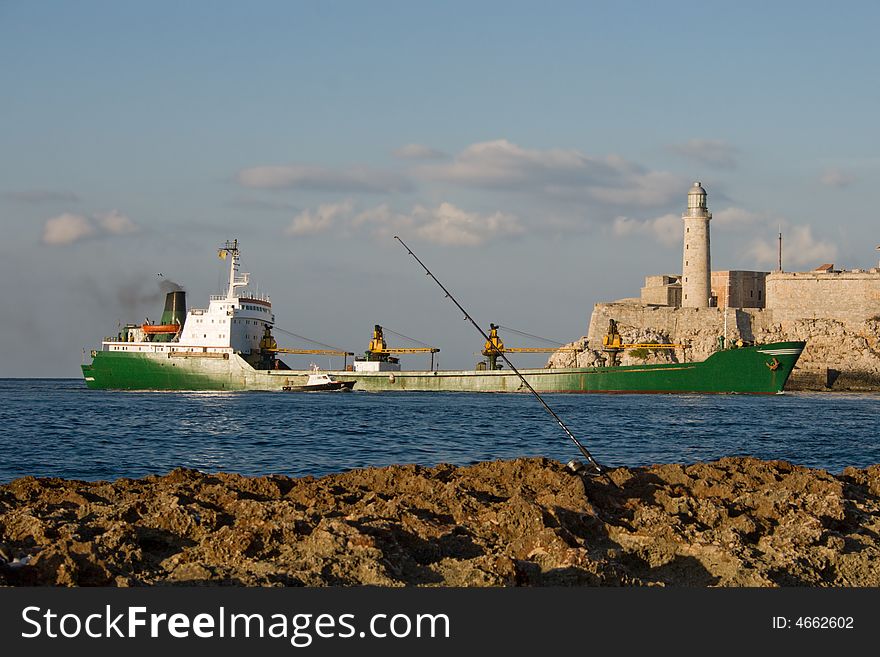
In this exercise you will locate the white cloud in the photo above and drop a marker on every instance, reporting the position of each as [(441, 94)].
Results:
[(381, 221), (666, 229), (298, 176), (837, 178), (312, 222), (559, 173), (116, 223), (799, 248), (712, 152), (66, 228), (445, 224), (501, 163), (418, 152)]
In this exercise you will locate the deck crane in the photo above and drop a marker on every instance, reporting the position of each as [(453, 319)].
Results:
[(269, 347), (494, 347), (613, 344), (380, 351)]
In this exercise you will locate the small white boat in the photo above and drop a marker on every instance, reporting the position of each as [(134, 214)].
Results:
[(319, 381)]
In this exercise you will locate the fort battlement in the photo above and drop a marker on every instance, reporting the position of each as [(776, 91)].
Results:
[(847, 296)]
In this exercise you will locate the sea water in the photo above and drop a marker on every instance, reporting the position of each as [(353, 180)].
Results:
[(59, 428)]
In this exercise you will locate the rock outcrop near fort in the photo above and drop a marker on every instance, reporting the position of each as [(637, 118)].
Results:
[(532, 522), (840, 354)]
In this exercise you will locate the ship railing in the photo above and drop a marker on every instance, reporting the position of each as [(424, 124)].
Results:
[(242, 295)]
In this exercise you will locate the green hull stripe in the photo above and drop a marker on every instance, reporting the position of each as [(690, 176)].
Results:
[(752, 370)]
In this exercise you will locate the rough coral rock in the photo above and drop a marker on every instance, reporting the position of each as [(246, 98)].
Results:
[(732, 522)]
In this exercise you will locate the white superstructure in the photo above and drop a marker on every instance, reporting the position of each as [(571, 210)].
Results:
[(234, 322)]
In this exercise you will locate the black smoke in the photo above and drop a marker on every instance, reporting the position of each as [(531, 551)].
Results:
[(139, 295)]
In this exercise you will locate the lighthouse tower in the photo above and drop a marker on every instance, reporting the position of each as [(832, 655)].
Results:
[(697, 269)]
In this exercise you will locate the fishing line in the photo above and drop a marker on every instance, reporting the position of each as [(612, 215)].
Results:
[(326, 346), (529, 335), (405, 337)]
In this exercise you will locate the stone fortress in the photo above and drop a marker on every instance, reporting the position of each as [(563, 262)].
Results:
[(837, 313)]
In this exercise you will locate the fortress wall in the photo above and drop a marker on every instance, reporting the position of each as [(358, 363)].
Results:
[(697, 329), (739, 289), (741, 323), (842, 296), (667, 295)]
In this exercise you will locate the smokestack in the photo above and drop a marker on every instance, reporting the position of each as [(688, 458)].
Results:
[(175, 308)]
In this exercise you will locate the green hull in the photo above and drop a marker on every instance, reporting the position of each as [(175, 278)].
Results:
[(761, 369)]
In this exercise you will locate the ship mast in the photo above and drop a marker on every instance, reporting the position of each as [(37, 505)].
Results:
[(227, 250)]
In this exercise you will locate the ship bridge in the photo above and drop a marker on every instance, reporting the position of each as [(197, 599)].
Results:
[(237, 319), (234, 322)]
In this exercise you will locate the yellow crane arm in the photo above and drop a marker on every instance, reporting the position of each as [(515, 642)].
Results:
[(320, 352), (537, 350), (411, 350)]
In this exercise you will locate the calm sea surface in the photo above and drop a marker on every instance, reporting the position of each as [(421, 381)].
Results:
[(59, 428)]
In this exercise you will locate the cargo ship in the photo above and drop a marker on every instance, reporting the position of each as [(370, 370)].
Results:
[(230, 346)]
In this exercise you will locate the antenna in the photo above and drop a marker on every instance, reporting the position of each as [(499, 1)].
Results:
[(779, 266), (583, 450)]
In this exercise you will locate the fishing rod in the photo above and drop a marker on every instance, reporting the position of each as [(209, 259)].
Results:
[(583, 450)]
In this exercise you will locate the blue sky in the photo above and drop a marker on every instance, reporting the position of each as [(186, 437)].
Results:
[(536, 157)]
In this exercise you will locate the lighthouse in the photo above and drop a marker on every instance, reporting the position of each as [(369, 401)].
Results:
[(696, 271)]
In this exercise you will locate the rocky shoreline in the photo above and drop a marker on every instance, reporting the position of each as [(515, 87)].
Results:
[(526, 522)]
